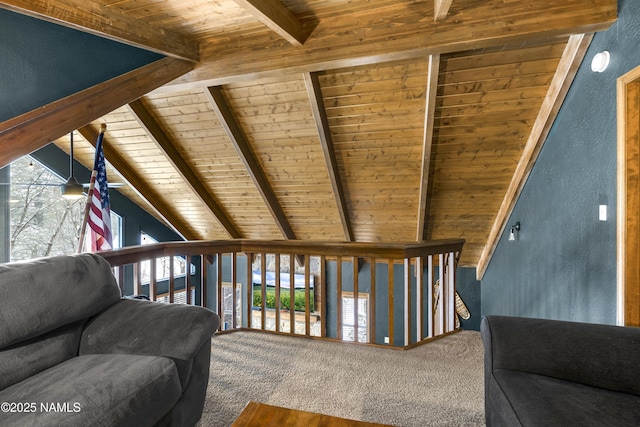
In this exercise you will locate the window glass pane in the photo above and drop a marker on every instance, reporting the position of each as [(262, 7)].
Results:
[(163, 265), (42, 222), (348, 318)]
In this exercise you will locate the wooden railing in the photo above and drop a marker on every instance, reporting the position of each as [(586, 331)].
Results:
[(362, 292)]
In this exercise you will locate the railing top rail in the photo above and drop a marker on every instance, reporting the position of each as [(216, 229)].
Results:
[(133, 254)]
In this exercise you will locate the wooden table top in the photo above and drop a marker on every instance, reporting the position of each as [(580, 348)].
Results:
[(262, 415)]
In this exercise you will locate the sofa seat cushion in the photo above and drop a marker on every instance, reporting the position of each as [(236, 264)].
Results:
[(539, 400), (95, 390)]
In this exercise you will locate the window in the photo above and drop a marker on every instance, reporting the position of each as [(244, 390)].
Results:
[(227, 305), (348, 317), (163, 266), (179, 297), (42, 222), (116, 231)]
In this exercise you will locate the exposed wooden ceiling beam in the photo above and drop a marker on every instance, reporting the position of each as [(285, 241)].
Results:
[(156, 132), (278, 18), (403, 33), (441, 9), (326, 141), (94, 17), (565, 73), (28, 132), (135, 181), (430, 109), (239, 140)]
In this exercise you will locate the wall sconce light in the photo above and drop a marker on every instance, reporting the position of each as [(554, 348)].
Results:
[(600, 61), (513, 231)]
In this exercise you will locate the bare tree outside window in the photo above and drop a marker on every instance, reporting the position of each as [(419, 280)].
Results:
[(42, 222)]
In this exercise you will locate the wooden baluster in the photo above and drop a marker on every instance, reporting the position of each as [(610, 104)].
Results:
[(322, 300), (430, 295), (153, 280), (307, 296), (137, 279), (234, 290), (263, 290), (407, 301), (277, 300), (188, 280), (292, 296), (356, 332), (219, 259), (451, 289), (419, 299), (339, 296), (120, 278), (441, 301), (391, 302), (249, 293), (203, 286), (372, 302), (172, 281)]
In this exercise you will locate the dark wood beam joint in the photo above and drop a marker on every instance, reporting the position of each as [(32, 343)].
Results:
[(278, 18), (441, 9)]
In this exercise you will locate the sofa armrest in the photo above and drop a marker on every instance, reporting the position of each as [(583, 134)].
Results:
[(149, 328), (597, 355)]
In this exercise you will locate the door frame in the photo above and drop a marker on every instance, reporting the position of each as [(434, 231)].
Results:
[(628, 201)]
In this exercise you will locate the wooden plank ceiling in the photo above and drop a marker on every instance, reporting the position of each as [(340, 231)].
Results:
[(356, 120)]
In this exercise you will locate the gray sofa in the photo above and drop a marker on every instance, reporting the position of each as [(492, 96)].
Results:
[(74, 353), (557, 373)]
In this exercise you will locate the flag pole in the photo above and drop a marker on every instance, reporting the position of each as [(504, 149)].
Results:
[(87, 207)]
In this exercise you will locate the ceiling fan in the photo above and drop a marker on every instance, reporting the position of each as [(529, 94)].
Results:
[(71, 189)]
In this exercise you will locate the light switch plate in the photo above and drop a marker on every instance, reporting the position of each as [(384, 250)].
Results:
[(603, 213)]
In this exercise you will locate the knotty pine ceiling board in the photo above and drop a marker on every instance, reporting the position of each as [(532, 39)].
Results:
[(137, 148), (202, 141), (376, 118), (487, 100), (487, 103), (196, 19), (276, 117)]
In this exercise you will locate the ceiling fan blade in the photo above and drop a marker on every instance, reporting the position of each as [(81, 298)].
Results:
[(111, 185)]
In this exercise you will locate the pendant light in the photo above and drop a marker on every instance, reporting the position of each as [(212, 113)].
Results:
[(71, 189)]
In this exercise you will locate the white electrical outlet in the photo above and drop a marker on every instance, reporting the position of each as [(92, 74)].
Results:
[(603, 213), (386, 340)]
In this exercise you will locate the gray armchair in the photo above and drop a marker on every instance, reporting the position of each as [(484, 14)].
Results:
[(557, 373), (74, 353)]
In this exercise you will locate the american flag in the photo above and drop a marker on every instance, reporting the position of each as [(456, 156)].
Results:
[(100, 213)]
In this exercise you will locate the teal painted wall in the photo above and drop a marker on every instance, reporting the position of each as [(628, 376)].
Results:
[(563, 265), (43, 62)]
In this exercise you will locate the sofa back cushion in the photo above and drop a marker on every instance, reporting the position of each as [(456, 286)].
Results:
[(42, 295), (603, 356)]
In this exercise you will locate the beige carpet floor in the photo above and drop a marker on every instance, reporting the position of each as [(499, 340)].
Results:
[(437, 384)]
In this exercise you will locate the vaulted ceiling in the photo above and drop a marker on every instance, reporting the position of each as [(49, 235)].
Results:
[(342, 120)]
